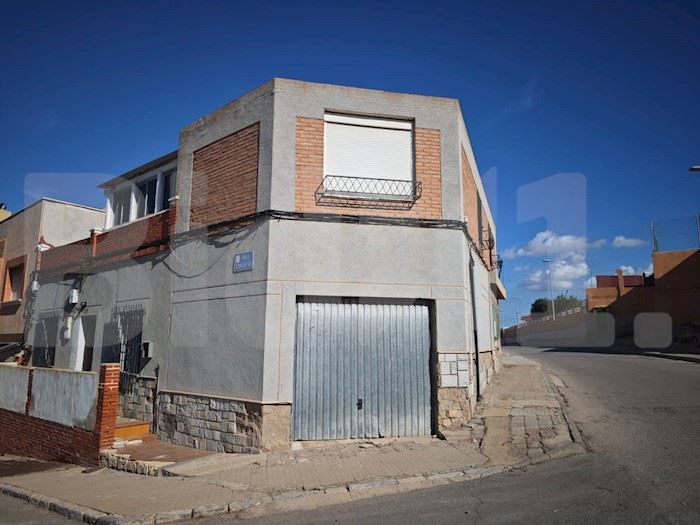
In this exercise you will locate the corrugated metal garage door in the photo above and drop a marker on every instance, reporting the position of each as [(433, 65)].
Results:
[(361, 371)]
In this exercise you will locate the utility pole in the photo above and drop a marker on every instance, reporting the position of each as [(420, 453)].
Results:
[(551, 296), (551, 290)]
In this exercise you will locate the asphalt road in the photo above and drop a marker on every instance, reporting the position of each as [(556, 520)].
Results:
[(640, 417)]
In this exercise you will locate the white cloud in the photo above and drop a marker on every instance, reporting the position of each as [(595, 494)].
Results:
[(521, 267), (549, 243), (564, 273), (631, 270), (621, 241)]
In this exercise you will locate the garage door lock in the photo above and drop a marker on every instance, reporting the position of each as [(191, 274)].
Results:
[(359, 404)]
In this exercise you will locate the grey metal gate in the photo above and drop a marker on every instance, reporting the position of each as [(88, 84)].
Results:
[(361, 371)]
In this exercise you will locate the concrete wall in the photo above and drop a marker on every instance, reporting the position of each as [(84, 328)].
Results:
[(218, 316), (14, 382), (330, 259), (143, 283), (577, 329), (65, 397)]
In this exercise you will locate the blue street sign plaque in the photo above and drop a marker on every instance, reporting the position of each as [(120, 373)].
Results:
[(242, 262)]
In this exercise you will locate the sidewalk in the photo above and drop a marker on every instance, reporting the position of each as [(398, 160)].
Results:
[(521, 421)]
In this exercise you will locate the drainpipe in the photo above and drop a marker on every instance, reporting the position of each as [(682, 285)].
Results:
[(476, 335)]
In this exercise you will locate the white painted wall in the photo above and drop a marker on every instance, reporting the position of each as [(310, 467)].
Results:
[(13, 387), (65, 396)]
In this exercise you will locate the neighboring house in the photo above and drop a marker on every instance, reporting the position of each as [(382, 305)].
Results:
[(313, 262), (609, 288), (23, 236), (673, 289)]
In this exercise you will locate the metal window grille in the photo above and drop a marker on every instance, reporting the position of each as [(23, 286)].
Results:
[(360, 192)]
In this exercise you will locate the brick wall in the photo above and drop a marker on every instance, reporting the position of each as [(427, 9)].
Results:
[(135, 239), (225, 178), (309, 173), (24, 435), (469, 198)]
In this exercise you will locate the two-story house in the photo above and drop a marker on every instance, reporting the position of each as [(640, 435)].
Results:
[(23, 237), (313, 262)]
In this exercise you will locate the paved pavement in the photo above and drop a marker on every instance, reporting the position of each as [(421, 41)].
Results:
[(640, 417), (334, 466), (523, 422), (523, 415)]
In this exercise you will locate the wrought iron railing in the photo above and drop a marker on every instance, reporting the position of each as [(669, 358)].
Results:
[(360, 192)]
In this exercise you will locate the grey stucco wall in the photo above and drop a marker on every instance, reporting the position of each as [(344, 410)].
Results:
[(14, 381), (65, 396), (391, 262), (218, 316), (144, 283)]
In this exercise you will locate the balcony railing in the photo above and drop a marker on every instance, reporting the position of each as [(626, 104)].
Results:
[(360, 192)]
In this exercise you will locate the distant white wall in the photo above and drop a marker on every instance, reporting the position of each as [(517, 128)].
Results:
[(13, 387), (65, 396)]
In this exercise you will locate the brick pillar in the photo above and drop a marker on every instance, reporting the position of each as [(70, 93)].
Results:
[(172, 215), (28, 404), (620, 283), (107, 404)]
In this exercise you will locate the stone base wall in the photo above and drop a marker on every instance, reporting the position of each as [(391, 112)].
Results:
[(454, 408), (137, 403), (222, 425), (490, 362), (453, 370)]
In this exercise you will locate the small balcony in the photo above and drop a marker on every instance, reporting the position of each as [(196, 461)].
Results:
[(360, 192)]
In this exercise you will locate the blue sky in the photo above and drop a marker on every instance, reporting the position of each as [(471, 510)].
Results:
[(583, 120)]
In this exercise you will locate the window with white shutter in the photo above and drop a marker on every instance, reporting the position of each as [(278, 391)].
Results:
[(368, 156)]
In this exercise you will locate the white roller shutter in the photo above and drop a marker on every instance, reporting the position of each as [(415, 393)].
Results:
[(366, 147)]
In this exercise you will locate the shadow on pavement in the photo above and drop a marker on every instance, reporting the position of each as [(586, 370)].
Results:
[(10, 466)]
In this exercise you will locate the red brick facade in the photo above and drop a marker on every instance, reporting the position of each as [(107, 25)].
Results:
[(225, 178), (24, 435), (135, 239), (309, 173), (469, 198)]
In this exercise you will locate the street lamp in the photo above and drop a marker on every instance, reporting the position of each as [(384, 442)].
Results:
[(551, 290), (696, 167), (517, 314)]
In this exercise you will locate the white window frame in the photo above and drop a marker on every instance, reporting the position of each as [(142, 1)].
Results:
[(368, 121), (132, 186)]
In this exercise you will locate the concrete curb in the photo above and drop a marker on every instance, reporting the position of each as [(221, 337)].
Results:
[(67, 509), (674, 357), (266, 504)]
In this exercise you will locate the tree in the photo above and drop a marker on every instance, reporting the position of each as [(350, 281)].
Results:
[(540, 306), (562, 302), (566, 302)]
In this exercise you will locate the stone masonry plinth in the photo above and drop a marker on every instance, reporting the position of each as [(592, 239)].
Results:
[(222, 425)]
